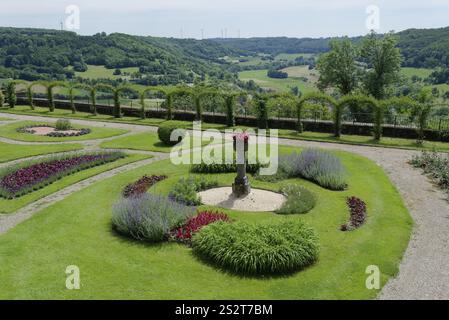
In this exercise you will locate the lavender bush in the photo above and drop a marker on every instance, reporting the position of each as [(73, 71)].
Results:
[(16, 181), (316, 165), (149, 217)]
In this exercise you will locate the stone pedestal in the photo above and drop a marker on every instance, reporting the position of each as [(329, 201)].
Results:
[(241, 186)]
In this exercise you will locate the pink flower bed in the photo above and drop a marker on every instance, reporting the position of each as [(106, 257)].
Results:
[(19, 181)]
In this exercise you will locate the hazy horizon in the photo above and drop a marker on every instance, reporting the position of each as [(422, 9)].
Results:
[(231, 19)]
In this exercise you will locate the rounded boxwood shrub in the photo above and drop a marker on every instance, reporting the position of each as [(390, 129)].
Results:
[(257, 249), (299, 199), (165, 130)]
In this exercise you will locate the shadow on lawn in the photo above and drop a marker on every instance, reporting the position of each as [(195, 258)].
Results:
[(231, 273)]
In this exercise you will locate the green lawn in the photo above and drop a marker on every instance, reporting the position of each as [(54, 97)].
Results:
[(77, 231), (290, 134), (283, 85), (10, 131), (366, 140), (5, 119), (9, 152), (10, 206), (146, 141)]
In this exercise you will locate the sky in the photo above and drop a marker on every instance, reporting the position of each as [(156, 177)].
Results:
[(226, 18)]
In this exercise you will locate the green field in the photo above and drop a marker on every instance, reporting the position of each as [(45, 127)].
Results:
[(280, 85), (420, 72), (291, 56), (101, 72)]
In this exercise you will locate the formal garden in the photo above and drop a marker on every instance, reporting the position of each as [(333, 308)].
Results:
[(166, 231), (88, 179)]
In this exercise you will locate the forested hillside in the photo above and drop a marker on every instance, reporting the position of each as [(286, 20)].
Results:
[(422, 48), (33, 54)]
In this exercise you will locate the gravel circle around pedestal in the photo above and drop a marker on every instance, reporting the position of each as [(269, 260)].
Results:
[(257, 200)]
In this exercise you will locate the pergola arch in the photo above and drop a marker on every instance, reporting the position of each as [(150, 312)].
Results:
[(143, 95), (317, 99), (281, 109), (229, 104), (50, 86), (177, 92), (367, 100)]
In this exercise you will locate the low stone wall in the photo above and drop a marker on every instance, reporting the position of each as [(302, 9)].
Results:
[(362, 129)]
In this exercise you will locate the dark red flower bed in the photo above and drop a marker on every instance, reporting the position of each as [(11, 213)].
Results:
[(17, 182), (357, 210), (185, 232), (141, 186)]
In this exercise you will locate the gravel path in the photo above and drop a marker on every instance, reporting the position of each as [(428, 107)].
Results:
[(424, 270)]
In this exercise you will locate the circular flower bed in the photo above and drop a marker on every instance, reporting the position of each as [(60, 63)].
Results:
[(257, 249), (50, 131)]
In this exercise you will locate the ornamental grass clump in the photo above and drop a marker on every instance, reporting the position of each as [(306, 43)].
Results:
[(149, 217), (63, 124), (316, 165), (277, 247), (16, 181)]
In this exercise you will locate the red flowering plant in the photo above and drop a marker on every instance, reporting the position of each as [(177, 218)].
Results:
[(141, 186), (243, 136), (194, 224), (239, 138), (357, 209)]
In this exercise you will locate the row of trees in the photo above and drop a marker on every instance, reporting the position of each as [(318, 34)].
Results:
[(262, 103)]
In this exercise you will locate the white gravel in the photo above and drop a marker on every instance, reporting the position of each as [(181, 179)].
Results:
[(257, 200)]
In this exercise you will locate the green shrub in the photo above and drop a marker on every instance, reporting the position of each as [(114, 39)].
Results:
[(165, 130), (222, 168), (186, 190), (63, 124), (299, 200), (257, 249), (2, 99), (435, 165), (11, 94), (149, 217)]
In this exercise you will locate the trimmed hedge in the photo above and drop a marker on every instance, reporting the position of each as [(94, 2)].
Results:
[(223, 168), (257, 249), (165, 130)]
